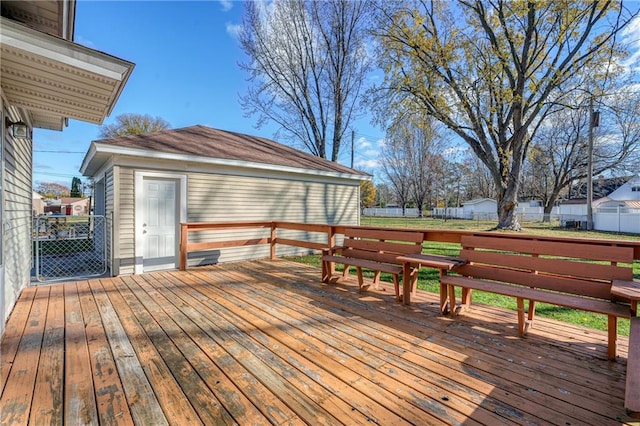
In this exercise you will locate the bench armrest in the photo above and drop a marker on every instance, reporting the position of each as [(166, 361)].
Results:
[(334, 249), (626, 289)]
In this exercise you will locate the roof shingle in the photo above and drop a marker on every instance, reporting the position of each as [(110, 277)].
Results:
[(220, 144)]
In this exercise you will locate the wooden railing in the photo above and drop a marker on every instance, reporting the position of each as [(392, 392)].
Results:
[(187, 228), (331, 231)]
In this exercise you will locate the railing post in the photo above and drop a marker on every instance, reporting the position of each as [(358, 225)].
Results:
[(184, 229), (331, 240), (272, 240)]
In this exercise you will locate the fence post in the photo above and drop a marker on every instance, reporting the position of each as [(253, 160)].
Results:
[(272, 240), (184, 229)]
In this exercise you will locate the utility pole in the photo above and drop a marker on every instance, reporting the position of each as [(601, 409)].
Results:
[(353, 136), (594, 121)]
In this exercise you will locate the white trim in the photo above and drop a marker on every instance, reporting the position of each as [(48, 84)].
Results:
[(139, 176), (56, 49), (99, 148)]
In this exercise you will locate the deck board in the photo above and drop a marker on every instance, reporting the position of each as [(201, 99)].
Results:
[(48, 396), (265, 342)]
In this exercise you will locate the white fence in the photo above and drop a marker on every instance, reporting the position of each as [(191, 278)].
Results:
[(611, 219), (392, 212), (525, 213), (618, 219)]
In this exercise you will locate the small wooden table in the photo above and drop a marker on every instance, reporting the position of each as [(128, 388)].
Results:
[(442, 263), (627, 290)]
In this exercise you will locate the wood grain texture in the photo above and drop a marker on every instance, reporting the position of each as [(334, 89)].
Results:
[(266, 342)]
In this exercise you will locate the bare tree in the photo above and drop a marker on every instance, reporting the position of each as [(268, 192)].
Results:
[(52, 190), (394, 163), (384, 195), (410, 159), (133, 124), (476, 179), (489, 70), (559, 154), (307, 63)]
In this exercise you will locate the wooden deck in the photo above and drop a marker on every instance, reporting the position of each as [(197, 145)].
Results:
[(267, 343)]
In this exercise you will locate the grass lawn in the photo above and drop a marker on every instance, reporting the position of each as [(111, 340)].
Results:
[(428, 278)]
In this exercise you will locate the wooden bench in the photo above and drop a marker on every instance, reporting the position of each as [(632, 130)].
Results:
[(559, 273), (374, 249), (632, 390)]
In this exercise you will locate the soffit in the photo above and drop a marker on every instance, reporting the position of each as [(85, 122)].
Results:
[(54, 79)]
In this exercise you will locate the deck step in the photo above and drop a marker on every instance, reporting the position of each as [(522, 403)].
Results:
[(632, 390)]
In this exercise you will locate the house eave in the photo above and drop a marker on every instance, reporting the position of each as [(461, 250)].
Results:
[(55, 79)]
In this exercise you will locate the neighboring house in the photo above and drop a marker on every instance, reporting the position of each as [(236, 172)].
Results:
[(146, 185), (45, 80), (38, 204), (74, 206), (68, 206), (627, 194), (479, 208)]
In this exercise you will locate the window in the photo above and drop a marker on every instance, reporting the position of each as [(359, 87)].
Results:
[(635, 189)]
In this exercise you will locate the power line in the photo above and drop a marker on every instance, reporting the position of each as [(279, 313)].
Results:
[(59, 152), (54, 174)]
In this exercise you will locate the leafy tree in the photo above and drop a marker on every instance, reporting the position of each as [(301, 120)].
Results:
[(76, 185), (52, 190), (367, 194), (307, 62), (492, 70), (133, 124)]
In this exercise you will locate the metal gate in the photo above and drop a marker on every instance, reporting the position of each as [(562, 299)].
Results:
[(69, 247)]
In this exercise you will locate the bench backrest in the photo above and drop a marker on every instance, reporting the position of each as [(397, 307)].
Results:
[(569, 267), (380, 245)]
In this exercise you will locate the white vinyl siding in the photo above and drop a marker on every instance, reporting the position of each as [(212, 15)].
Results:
[(17, 218), (214, 197), (109, 217), (227, 198), (126, 221)]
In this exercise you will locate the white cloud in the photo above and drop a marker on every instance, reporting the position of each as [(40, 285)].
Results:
[(366, 164), (233, 29), (363, 143), (631, 36), (226, 5)]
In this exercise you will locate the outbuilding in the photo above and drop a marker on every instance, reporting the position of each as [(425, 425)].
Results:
[(146, 185), (480, 208)]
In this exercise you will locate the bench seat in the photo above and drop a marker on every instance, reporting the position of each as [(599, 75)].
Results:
[(561, 299), (363, 263), (583, 276), (374, 249)]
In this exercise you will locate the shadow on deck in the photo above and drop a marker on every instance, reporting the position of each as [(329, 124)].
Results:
[(265, 342)]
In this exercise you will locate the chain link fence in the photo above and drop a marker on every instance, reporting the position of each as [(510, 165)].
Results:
[(69, 247)]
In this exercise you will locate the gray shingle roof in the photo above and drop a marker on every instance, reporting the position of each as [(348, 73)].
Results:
[(220, 144)]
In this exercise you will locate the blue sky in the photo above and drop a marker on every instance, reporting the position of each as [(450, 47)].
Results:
[(186, 72), (186, 57)]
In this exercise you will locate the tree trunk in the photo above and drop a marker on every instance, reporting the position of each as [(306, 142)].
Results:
[(548, 208), (508, 207)]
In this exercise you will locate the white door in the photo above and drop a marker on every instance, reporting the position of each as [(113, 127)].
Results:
[(160, 224)]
